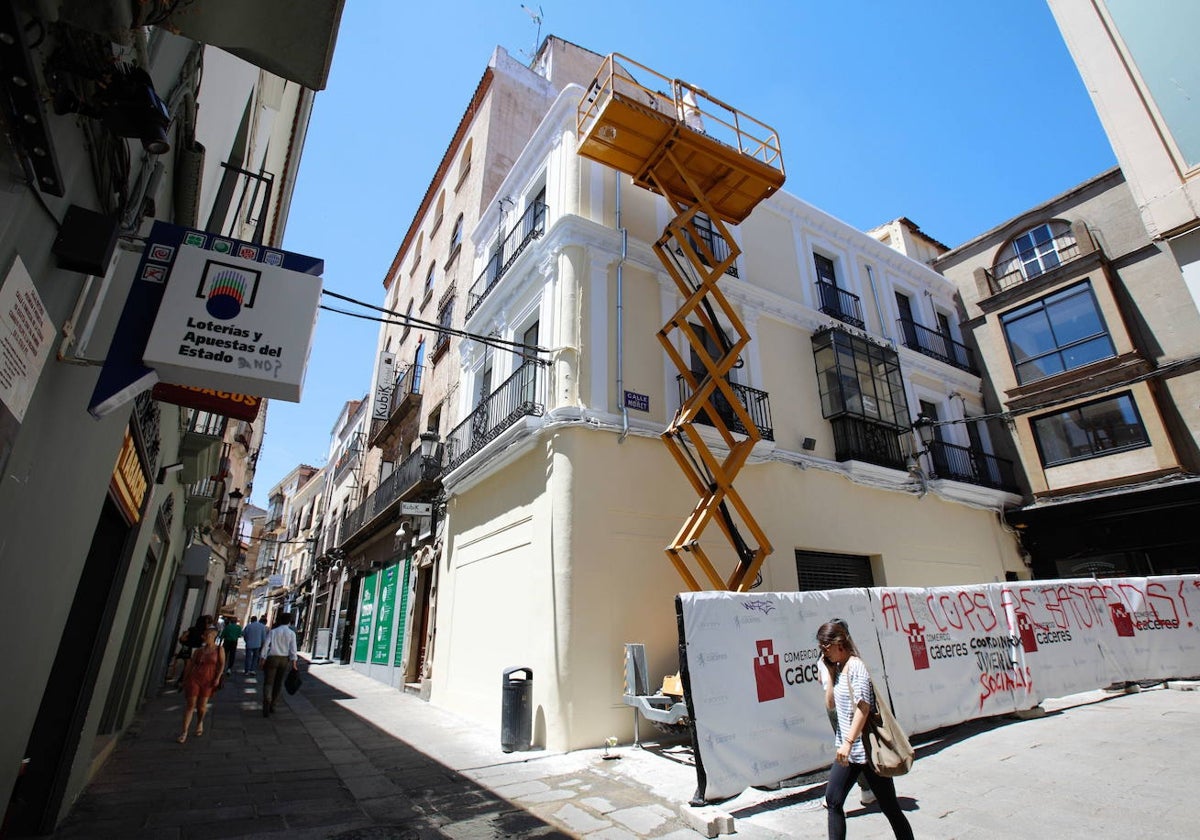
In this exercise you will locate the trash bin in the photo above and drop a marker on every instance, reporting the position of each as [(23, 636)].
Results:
[(516, 710)]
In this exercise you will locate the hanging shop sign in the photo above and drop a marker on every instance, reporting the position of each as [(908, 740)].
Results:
[(231, 323), (128, 483), (385, 385), (236, 406), (213, 313)]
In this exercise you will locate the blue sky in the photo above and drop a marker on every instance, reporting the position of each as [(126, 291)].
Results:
[(958, 115)]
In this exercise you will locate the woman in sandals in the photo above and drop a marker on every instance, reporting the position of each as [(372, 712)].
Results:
[(849, 691), (201, 677)]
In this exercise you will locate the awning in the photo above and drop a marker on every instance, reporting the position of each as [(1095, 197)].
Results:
[(290, 38)]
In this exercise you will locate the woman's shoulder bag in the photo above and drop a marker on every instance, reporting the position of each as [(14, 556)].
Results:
[(888, 748)]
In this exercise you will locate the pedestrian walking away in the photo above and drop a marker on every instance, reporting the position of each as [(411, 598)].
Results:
[(253, 635), (279, 656), (202, 676), (229, 640), (849, 692)]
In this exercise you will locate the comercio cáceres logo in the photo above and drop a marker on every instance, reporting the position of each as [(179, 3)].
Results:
[(773, 672)]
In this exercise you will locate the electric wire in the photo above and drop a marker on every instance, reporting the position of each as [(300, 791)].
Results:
[(1157, 373), (441, 329)]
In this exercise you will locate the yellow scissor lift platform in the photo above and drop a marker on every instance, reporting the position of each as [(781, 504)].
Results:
[(629, 122), (706, 157)]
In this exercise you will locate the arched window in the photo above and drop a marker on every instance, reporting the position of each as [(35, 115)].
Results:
[(1034, 252), (417, 253), (464, 163), (441, 207), (456, 238), (407, 320), (429, 280)]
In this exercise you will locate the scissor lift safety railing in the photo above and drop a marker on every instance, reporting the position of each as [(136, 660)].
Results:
[(702, 156)]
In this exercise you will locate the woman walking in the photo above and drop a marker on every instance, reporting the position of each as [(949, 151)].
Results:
[(201, 677), (849, 692)]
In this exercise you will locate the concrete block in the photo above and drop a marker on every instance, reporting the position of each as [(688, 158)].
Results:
[(1183, 685), (707, 820), (1029, 714)]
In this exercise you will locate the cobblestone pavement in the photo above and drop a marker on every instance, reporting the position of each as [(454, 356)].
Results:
[(348, 758)]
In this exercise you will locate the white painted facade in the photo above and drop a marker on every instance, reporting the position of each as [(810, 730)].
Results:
[(556, 526)]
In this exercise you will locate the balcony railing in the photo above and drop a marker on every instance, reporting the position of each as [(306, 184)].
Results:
[(840, 304), (413, 471), (757, 403), (529, 227), (855, 439), (1017, 270), (719, 247), (962, 463), (346, 462), (522, 394), (936, 345)]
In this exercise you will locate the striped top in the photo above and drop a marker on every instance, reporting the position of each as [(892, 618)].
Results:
[(855, 680)]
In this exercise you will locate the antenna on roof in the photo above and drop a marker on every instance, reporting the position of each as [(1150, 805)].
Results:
[(536, 17)]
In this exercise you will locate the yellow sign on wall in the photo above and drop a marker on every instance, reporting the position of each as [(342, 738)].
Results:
[(128, 483)]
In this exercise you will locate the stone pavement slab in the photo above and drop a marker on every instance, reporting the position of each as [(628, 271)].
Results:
[(351, 759)]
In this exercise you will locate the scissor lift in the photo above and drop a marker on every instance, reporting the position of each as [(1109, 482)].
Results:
[(703, 156)]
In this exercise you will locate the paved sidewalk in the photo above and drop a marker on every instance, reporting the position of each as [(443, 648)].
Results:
[(351, 759)]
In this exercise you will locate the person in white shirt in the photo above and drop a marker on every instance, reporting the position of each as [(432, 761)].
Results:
[(278, 654), (851, 694), (864, 787)]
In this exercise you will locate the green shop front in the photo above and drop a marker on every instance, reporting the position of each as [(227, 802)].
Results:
[(384, 615)]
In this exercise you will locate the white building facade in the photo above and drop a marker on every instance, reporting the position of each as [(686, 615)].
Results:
[(559, 497)]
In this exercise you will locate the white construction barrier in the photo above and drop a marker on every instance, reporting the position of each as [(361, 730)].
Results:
[(946, 655)]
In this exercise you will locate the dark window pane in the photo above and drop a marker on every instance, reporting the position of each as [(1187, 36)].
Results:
[(1090, 430), (1039, 368), (1061, 332), (1088, 352), (1030, 336), (1074, 318)]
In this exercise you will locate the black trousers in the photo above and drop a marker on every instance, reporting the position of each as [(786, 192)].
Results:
[(841, 780), (276, 669)]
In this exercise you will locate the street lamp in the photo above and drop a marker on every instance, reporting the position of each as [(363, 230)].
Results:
[(924, 427), (429, 442), (430, 459)]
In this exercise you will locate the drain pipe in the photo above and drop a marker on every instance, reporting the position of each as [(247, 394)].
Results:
[(875, 296), (621, 317)]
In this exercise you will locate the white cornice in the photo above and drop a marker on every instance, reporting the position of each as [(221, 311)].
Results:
[(523, 437)]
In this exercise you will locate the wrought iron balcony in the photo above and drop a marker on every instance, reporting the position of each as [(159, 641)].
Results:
[(717, 244), (522, 394), (1029, 264), (936, 345), (415, 473), (529, 227), (757, 403), (962, 463), (840, 304), (855, 439)]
